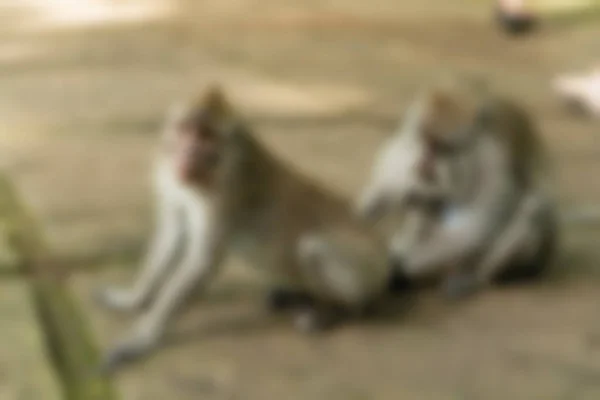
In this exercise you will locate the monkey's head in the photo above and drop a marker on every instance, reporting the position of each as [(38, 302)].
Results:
[(197, 137), (449, 115), (438, 125)]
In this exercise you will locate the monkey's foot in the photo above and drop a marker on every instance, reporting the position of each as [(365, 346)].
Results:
[(117, 299), (461, 286), (308, 321), (314, 319), (124, 353), (279, 300), (398, 281)]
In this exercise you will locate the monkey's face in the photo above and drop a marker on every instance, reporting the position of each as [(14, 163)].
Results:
[(197, 137), (446, 124), (196, 150), (435, 131), (432, 169)]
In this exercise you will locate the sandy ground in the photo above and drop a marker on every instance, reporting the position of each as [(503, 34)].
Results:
[(323, 82)]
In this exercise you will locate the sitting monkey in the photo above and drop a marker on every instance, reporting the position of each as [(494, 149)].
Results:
[(217, 183), (471, 173)]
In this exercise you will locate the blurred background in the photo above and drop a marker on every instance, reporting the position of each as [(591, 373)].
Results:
[(84, 85)]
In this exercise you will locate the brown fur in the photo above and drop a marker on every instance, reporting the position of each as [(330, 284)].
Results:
[(303, 237), (490, 166)]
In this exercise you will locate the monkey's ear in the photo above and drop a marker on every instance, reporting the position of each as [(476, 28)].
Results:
[(214, 102), (216, 108)]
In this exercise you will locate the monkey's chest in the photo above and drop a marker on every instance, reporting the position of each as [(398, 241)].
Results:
[(455, 218)]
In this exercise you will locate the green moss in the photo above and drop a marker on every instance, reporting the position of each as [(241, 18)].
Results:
[(67, 334), (20, 241), (26, 369), (70, 341)]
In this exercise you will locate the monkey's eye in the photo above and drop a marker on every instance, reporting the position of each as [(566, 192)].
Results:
[(207, 132)]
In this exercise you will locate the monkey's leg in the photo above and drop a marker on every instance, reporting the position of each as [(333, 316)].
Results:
[(203, 257), (416, 226), (340, 289), (527, 244), (519, 242), (159, 255)]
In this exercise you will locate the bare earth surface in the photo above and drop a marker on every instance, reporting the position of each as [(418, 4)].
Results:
[(82, 94)]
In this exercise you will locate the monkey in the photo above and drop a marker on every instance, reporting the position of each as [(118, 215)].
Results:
[(476, 186), (218, 190)]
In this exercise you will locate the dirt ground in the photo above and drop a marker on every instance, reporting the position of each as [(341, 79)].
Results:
[(82, 95)]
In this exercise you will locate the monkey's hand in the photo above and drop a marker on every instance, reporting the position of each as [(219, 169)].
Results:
[(315, 319), (426, 195), (129, 350), (117, 299), (459, 286)]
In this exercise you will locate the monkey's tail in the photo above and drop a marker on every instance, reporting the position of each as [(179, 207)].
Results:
[(581, 215)]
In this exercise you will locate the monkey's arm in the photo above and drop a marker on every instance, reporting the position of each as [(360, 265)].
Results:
[(202, 259), (443, 249), (456, 242), (372, 204), (159, 255), (416, 224), (392, 180)]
